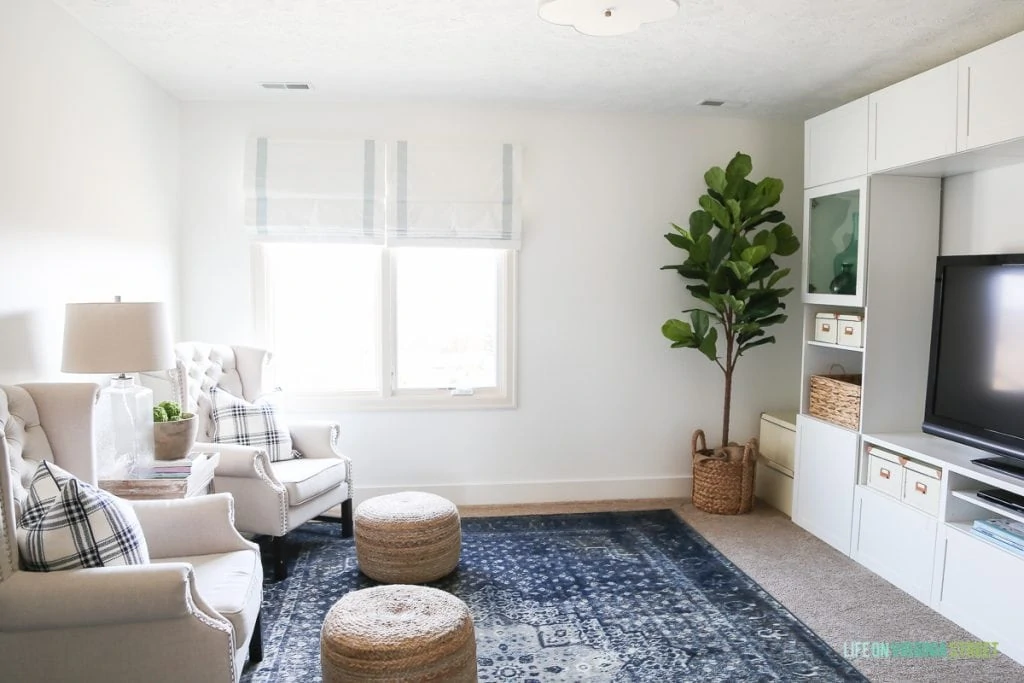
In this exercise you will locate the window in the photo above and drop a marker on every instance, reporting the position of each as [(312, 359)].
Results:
[(369, 326)]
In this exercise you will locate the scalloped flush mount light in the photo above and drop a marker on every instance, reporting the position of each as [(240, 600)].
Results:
[(605, 17)]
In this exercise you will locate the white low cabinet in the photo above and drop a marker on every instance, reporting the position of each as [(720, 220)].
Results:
[(823, 483), (895, 541), (980, 589), (991, 99), (913, 120)]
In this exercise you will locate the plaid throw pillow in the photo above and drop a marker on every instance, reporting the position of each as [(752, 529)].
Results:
[(68, 524), (256, 424)]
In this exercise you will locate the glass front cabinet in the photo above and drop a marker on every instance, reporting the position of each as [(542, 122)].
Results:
[(834, 244)]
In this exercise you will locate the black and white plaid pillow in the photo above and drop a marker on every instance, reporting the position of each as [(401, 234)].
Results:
[(256, 424), (69, 524)]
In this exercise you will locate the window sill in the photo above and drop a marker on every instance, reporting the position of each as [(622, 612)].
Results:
[(329, 403)]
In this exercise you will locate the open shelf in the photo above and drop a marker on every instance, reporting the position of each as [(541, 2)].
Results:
[(826, 345), (966, 528), (972, 498)]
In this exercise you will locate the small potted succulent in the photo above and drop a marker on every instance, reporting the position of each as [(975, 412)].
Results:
[(174, 432)]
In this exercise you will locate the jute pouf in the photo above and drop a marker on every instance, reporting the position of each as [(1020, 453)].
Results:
[(407, 537), (398, 633)]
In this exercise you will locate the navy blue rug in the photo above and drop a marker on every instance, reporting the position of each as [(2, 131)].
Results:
[(627, 596)]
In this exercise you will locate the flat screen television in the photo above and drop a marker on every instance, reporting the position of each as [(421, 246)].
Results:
[(976, 367)]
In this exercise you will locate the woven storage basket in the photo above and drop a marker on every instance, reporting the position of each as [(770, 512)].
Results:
[(723, 481), (836, 398)]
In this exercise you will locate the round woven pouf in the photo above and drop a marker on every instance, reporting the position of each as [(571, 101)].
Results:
[(407, 537), (398, 633)]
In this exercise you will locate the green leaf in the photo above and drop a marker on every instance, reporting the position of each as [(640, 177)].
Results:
[(701, 322), (763, 270), (708, 345), (734, 210), (741, 269), (757, 218), (766, 239), (679, 332), (683, 241), (788, 243), (773, 320), (700, 252), (715, 179), (720, 248), (739, 168), (743, 190), (746, 347), (747, 336), (719, 281), (719, 214), (766, 193), (739, 243), (700, 224), (754, 255), (776, 276)]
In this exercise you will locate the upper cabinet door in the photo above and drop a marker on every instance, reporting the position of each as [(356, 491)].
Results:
[(834, 246), (991, 99), (913, 120), (836, 144)]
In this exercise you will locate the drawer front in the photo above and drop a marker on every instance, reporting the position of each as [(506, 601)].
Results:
[(885, 476), (777, 444), (921, 491)]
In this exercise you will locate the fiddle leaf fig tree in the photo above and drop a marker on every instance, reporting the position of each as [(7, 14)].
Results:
[(730, 246)]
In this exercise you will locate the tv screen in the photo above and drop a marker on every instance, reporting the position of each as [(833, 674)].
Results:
[(976, 369)]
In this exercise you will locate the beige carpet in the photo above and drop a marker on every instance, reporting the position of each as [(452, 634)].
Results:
[(837, 598)]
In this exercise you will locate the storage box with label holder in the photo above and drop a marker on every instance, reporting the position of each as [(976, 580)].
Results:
[(825, 328), (850, 330), (921, 486), (885, 472)]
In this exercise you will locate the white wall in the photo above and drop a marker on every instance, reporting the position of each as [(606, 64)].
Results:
[(88, 183), (981, 212), (606, 408)]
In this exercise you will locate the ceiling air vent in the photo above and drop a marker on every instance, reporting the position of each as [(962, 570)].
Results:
[(286, 86), (711, 103)]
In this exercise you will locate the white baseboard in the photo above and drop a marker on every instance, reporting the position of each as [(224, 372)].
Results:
[(523, 492)]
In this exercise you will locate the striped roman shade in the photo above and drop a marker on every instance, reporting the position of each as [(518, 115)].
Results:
[(315, 190), (454, 193)]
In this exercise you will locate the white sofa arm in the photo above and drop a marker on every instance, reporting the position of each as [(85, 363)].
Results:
[(32, 601), (246, 462), (66, 414), (316, 439), (203, 525)]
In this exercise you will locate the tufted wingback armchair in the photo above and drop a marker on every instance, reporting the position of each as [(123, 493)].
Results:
[(192, 614), (271, 498)]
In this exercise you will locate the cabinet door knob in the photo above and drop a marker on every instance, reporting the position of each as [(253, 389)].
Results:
[(921, 488), (883, 473)]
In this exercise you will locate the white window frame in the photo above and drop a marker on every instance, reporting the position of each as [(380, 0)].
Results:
[(390, 397)]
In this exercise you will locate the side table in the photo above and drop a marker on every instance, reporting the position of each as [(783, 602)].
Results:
[(198, 483)]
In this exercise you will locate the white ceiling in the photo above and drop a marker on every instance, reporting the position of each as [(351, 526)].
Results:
[(773, 57)]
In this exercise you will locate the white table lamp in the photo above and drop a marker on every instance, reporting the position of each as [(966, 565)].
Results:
[(116, 337)]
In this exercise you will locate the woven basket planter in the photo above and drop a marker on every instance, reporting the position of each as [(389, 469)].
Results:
[(723, 479), (836, 398)]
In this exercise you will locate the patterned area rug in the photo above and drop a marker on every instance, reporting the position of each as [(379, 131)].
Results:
[(626, 596)]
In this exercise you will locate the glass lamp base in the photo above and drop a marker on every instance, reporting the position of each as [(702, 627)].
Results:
[(124, 428)]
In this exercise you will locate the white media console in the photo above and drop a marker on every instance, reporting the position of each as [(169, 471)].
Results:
[(934, 556)]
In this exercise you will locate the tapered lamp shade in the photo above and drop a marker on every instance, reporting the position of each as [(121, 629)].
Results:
[(117, 337)]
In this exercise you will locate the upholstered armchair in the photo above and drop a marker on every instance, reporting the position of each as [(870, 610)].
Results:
[(191, 614), (271, 498)]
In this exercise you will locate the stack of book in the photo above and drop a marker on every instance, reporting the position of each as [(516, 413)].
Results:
[(1005, 533), (174, 469)]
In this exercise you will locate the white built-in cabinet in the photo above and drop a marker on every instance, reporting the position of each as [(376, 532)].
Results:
[(836, 144), (823, 485), (991, 102), (873, 169), (913, 120)]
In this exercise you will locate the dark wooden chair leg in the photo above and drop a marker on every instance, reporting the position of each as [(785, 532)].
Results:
[(346, 519), (256, 643), (280, 557)]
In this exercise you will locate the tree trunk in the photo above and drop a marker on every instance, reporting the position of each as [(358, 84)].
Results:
[(727, 407)]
